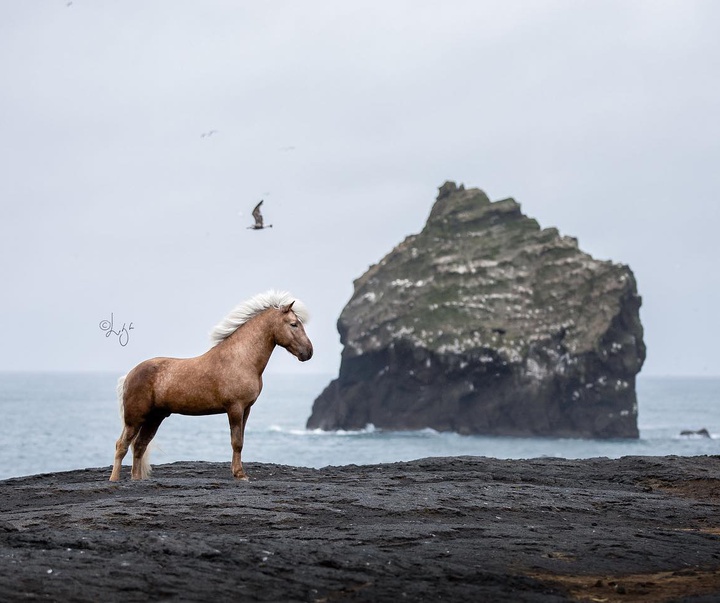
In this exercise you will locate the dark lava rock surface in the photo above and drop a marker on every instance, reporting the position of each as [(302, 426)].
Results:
[(485, 323), (453, 529)]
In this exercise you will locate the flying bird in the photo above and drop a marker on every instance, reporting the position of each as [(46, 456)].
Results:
[(208, 134), (259, 223)]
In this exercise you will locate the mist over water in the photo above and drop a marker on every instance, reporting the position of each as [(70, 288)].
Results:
[(65, 421)]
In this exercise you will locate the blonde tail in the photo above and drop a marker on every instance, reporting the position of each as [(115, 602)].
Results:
[(121, 396), (145, 468)]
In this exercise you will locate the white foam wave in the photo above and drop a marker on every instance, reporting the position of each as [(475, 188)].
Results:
[(321, 432), (367, 430)]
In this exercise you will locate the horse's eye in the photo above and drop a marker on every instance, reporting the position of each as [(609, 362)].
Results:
[(293, 325)]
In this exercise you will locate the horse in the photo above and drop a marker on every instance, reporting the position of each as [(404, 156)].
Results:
[(225, 379)]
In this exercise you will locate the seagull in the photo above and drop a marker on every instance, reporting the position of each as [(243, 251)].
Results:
[(208, 134), (258, 218)]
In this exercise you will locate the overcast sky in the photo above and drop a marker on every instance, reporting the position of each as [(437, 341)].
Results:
[(600, 117)]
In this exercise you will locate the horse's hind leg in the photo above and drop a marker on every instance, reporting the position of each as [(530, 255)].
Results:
[(141, 463), (128, 434)]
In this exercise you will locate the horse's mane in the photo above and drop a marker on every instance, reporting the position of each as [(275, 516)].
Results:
[(252, 307)]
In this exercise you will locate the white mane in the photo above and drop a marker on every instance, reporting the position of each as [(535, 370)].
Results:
[(253, 306)]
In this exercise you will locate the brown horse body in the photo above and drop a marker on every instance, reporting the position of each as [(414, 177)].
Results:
[(226, 379)]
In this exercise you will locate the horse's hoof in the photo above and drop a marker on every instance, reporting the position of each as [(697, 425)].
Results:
[(242, 478)]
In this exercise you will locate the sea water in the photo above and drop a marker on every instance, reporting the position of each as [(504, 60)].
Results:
[(63, 421)]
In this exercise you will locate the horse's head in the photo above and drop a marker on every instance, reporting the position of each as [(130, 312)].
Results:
[(291, 335)]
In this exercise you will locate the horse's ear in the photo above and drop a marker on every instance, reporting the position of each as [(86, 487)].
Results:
[(287, 308)]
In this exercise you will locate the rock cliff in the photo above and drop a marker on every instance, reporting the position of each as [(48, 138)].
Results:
[(484, 323)]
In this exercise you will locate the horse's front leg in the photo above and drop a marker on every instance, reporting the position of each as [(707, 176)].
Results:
[(238, 415)]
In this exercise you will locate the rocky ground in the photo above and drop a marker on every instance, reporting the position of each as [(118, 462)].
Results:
[(454, 529)]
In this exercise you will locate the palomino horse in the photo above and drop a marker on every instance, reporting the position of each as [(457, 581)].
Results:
[(225, 379)]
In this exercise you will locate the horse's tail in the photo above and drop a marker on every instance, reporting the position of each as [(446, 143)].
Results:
[(121, 396), (145, 468)]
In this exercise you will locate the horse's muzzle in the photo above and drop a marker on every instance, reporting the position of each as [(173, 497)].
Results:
[(305, 355)]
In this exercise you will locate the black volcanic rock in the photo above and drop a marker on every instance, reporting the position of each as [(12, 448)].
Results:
[(485, 323), (437, 529)]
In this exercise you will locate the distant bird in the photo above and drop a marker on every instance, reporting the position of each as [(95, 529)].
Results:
[(287, 148), (259, 225), (69, 4), (208, 134)]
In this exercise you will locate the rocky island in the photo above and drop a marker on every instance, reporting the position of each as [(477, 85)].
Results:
[(484, 323)]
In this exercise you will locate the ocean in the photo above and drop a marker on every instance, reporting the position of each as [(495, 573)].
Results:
[(55, 422)]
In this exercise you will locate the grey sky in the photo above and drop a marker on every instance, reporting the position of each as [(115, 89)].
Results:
[(600, 118)]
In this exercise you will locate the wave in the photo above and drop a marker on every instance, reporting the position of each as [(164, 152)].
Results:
[(369, 429)]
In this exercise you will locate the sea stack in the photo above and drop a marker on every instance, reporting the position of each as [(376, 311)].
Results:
[(484, 323)]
